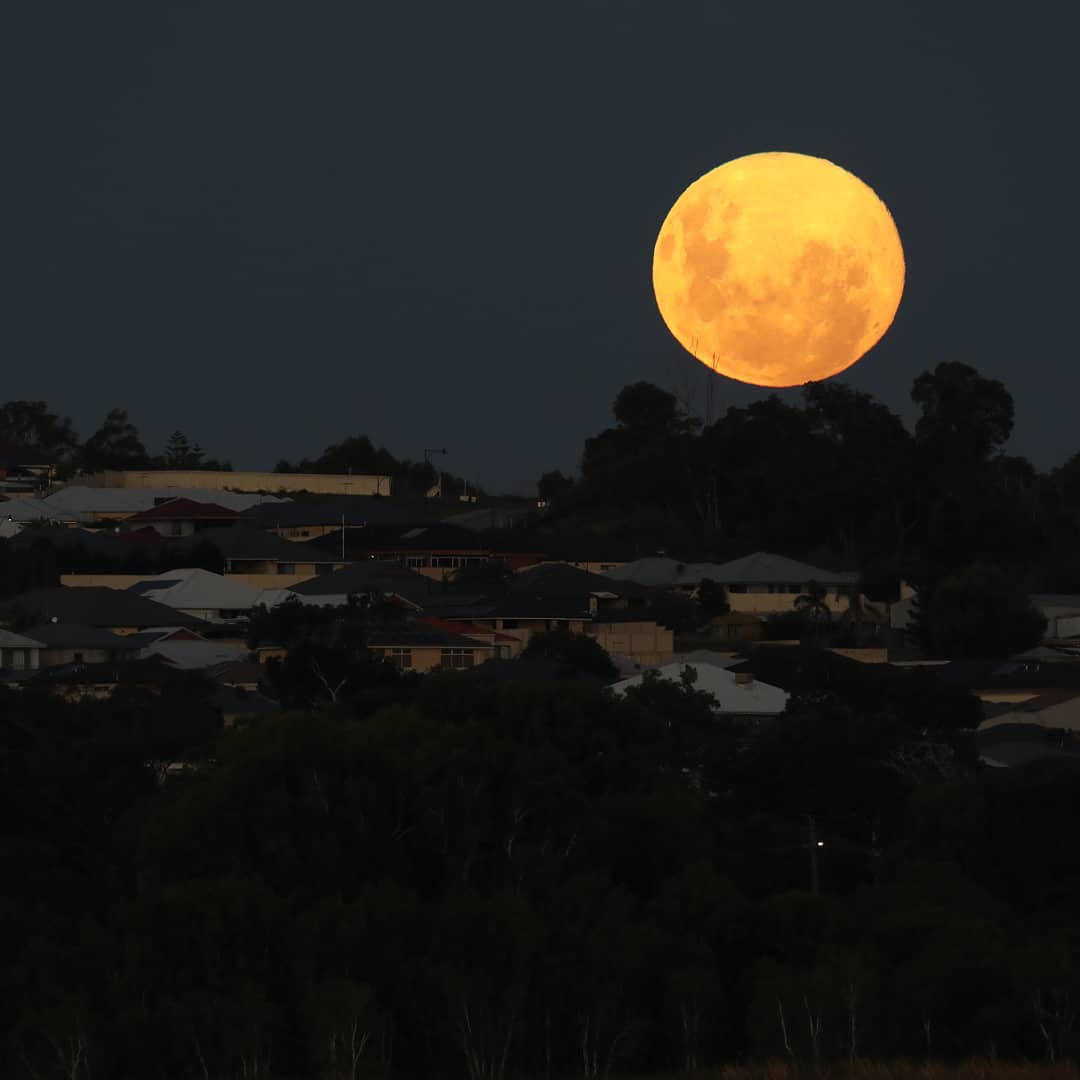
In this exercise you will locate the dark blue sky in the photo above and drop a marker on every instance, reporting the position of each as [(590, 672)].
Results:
[(276, 224)]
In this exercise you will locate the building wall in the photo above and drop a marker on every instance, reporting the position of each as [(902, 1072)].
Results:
[(55, 657), (644, 642), (525, 628), (108, 581), (323, 484), (767, 603), (428, 659), (270, 570)]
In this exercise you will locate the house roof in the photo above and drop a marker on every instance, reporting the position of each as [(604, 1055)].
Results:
[(79, 636), (233, 672), (371, 575), (509, 606), (83, 499), (759, 568), (198, 590), (147, 534), (184, 509), (356, 509), (192, 655), (139, 672), (418, 635), (754, 697), (1015, 674), (95, 606), (61, 539), (562, 579), (765, 568), (8, 640), (244, 542), (462, 626), (32, 510)]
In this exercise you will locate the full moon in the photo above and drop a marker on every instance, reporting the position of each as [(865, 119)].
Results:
[(778, 269)]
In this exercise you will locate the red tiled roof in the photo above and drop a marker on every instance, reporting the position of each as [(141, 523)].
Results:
[(186, 510), (145, 535)]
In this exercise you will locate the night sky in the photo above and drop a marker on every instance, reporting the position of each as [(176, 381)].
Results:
[(276, 224)]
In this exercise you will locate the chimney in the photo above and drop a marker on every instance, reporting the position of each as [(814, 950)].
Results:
[(743, 678)]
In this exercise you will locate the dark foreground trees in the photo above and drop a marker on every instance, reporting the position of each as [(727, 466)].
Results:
[(525, 881)]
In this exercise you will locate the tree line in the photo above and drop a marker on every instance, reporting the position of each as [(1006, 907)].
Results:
[(114, 445), (429, 877)]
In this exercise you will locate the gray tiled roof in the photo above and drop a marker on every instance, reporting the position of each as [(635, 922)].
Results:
[(8, 640), (79, 636), (94, 606), (371, 575), (241, 542)]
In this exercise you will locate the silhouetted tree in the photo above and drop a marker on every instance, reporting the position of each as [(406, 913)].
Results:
[(115, 445)]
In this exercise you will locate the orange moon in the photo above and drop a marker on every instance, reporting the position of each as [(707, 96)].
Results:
[(778, 269)]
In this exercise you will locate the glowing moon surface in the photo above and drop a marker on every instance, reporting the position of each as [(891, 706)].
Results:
[(778, 269)]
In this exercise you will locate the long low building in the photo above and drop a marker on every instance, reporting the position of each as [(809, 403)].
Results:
[(213, 480)]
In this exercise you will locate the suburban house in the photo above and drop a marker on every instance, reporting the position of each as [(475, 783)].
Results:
[(112, 609), (19, 652), (206, 595), (601, 592), (737, 695), (74, 643), (183, 517), (761, 583), (506, 645), (435, 549), (424, 647), (518, 615), (263, 559), (369, 578)]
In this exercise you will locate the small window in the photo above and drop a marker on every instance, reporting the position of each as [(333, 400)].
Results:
[(416, 561), (401, 658), (286, 568), (77, 657), (457, 658)]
